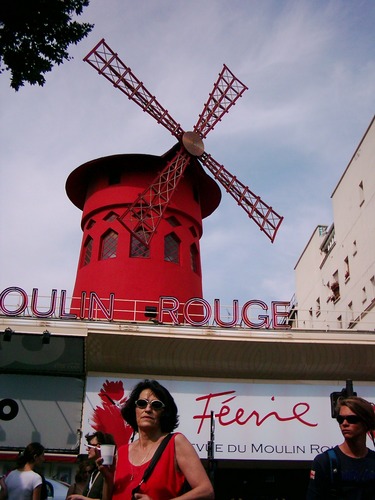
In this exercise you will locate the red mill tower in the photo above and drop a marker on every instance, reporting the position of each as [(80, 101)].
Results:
[(113, 263), (142, 215)]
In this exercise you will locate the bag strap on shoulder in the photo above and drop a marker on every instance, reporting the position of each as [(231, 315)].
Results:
[(334, 470), (153, 462), (156, 457)]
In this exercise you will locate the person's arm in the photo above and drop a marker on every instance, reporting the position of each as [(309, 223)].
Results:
[(107, 489), (3, 489), (37, 492), (190, 465), (108, 473), (70, 491), (319, 484)]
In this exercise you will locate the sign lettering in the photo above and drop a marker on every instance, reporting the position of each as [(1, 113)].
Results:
[(14, 301), (228, 415)]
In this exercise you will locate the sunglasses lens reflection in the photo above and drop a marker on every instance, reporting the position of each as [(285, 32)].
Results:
[(155, 404)]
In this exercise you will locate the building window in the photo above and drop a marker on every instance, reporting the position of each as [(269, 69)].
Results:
[(322, 230), (329, 241), (354, 248), (372, 281), (173, 221), (90, 224), (194, 258), (109, 245), (87, 251), (350, 315), (193, 231), (339, 322), (110, 217), (335, 286), (138, 248), (172, 248), (347, 270), (318, 307), (364, 295), (361, 194)]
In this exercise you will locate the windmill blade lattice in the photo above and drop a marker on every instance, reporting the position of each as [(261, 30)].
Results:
[(225, 93), (108, 64), (143, 216), (261, 213)]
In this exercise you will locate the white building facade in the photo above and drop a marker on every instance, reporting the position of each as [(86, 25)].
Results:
[(335, 275)]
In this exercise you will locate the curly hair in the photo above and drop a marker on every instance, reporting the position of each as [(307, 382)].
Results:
[(169, 418), (364, 409)]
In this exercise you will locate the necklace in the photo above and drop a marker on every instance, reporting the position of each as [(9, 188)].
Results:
[(146, 456), (144, 459)]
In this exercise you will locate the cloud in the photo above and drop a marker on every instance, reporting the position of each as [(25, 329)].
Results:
[(310, 70)]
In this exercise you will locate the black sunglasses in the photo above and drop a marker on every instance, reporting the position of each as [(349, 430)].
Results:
[(155, 404), (351, 419)]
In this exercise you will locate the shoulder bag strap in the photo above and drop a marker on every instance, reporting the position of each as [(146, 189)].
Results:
[(334, 471), (153, 462)]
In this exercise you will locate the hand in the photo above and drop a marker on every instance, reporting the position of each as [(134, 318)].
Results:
[(107, 471), (141, 496)]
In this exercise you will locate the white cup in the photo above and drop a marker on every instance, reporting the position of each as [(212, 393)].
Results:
[(106, 452)]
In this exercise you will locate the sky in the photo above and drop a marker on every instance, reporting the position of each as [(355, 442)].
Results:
[(310, 69)]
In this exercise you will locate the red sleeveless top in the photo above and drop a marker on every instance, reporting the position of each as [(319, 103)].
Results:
[(164, 483)]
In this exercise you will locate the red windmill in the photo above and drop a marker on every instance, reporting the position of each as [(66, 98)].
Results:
[(143, 214)]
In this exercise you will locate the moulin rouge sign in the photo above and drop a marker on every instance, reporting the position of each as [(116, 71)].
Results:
[(252, 314)]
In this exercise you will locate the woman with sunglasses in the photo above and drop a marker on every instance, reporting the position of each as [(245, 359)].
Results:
[(95, 482), (349, 471), (152, 413)]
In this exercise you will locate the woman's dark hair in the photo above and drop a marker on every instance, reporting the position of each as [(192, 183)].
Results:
[(364, 409), (84, 469), (29, 454), (168, 418), (102, 437)]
